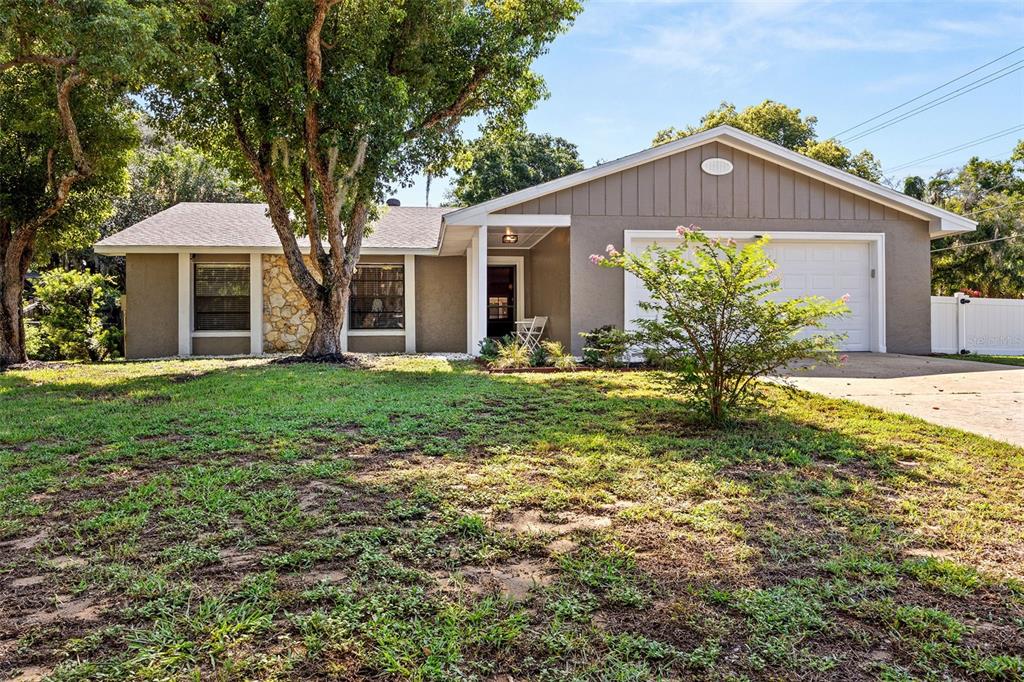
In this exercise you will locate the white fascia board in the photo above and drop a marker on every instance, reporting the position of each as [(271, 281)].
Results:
[(948, 222)]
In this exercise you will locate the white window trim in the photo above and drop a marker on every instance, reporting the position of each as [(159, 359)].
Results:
[(520, 264), (225, 333), (876, 240)]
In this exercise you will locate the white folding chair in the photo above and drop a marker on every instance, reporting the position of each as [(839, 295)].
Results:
[(530, 331)]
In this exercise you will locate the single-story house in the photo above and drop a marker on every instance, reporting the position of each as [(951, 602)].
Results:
[(209, 279)]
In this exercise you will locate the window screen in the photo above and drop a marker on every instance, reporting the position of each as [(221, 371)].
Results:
[(378, 297), (221, 297)]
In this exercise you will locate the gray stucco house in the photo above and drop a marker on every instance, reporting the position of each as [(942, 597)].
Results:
[(209, 279)]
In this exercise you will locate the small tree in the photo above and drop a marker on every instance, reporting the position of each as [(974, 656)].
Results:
[(71, 314), (714, 322)]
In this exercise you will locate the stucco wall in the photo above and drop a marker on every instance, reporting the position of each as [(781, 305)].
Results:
[(549, 285), (151, 305), (441, 304), (220, 345), (758, 195)]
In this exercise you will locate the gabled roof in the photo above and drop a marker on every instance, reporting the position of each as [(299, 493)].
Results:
[(941, 222), (247, 227)]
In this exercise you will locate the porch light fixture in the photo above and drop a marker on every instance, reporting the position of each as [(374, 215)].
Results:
[(509, 238)]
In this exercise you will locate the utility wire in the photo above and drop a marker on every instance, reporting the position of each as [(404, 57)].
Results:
[(925, 94), (942, 99), (965, 145), (994, 208), (987, 241)]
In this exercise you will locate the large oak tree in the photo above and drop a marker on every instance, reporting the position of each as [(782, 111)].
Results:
[(66, 127), (327, 103)]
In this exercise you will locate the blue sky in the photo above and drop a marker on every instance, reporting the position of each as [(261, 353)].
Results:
[(628, 69)]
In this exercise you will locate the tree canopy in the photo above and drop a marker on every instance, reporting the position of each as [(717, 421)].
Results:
[(499, 163), (66, 129), (327, 104), (990, 260), (785, 126)]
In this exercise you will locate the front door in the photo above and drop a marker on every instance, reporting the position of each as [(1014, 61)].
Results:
[(501, 300)]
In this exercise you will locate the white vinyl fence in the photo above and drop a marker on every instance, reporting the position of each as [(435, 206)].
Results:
[(993, 326)]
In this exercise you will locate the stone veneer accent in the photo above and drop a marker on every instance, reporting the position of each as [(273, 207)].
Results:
[(287, 322)]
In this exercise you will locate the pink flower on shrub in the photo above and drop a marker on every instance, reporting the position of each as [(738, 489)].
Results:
[(596, 259), (843, 359), (730, 241), (683, 230), (845, 298), (610, 250)]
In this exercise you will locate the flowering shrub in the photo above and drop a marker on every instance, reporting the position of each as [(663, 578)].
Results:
[(715, 325)]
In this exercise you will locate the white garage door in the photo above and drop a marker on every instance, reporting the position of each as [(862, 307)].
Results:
[(822, 268)]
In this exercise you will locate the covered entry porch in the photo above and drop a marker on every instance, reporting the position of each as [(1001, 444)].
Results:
[(517, 267)]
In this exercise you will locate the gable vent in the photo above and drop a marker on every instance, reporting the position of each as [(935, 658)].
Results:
[(716, 166)]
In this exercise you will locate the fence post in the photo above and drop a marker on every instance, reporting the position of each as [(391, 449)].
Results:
[(962, 300)]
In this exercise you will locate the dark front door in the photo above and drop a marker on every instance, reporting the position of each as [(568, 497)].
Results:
[(501, 300)]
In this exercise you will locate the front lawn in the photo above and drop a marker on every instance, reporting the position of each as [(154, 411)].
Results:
[(219, 519), (1017, 360)]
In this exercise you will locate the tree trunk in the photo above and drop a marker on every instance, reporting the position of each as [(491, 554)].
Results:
[(329, 310), (12, 326)]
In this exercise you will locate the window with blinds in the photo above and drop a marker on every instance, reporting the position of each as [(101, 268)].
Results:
[(377, 300), (221, 296)]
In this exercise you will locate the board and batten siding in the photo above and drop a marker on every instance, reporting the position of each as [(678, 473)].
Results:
[(676, 186), (757, 195)]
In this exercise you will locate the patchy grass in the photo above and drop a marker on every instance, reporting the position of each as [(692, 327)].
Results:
[(1017, 360), (422, 520)]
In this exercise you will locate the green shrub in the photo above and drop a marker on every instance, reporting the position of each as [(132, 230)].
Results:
[(37, 345), (557, 356), (606, 346), (71, 315), (512, 355), (713, 321), (488, 349), (539, 357)]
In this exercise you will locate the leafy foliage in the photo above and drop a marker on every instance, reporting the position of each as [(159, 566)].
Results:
[(991, 192), (73, 312), (606, 346), (512, 354), (66, 128), (502, 162), (328, 104), (712, 319), (557, 356), (783, 125)]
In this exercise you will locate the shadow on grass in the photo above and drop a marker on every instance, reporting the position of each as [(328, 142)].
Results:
[(806, 510)]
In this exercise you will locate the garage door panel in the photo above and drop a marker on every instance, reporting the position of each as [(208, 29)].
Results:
[(824, 269)]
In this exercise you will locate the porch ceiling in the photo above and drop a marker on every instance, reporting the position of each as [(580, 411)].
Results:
[(457, 238)]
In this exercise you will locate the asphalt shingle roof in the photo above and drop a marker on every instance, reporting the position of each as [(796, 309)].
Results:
[(247, 225)]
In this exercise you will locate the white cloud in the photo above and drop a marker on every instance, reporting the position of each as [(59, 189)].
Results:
[(728, 38)]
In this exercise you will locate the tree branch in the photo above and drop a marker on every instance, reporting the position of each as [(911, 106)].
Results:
[(41, 59), (454, 110)]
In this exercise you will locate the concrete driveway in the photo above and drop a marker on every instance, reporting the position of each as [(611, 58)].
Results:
[(974, 396)]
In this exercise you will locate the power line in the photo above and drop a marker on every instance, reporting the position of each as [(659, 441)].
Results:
[(925, 94), (965, 145), (994, 208), (942, 99), (987, 241)]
